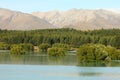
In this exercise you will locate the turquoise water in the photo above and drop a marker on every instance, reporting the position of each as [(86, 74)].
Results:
[(42, 67), (38, 72)]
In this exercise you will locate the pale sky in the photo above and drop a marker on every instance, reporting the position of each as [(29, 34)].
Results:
[(47, 5)]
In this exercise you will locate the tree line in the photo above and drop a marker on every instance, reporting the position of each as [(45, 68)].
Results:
[(72, 37)]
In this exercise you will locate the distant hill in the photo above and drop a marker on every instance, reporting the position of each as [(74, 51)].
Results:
[(81, 19), (74, 18), (13, 20)]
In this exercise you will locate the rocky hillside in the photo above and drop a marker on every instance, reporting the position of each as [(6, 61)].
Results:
[(13, 20), (82, 19)]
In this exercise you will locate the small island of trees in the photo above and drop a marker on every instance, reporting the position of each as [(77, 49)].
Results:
[(58, 49), (97, 52)]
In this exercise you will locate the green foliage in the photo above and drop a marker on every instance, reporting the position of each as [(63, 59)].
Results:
[(71, 37), (27, 46), (58, 49), (17, 50), (44, 46), (4, 46), (54, 51), (112, 52), (93, 52), (97, 52), (118, 56), (115, 42), (64, 46)]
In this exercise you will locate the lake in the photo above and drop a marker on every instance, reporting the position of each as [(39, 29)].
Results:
[(42, 67)]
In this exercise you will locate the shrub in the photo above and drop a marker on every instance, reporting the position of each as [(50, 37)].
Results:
[(93, 52), (27, 46), (113, 52), (59, 45), (17, 50), (54, 51), (44, 46), (4, 46)]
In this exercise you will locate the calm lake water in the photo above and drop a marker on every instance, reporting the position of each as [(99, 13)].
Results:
[(42, 67)]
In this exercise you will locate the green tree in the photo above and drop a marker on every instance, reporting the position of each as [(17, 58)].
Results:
[(54, 51), (4, 46), (59, 45), (113, 53), (17, 50), (92, 52), (63, 36), (44, 46), (27, 46), (115, 42)]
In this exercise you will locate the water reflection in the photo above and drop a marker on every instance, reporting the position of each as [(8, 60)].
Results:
[(55, 60), (49, 70), (43, 59), (37, 59), (17, 59), (90, 74), (100, 64), (96, 64), (53, 72), (64, 60)]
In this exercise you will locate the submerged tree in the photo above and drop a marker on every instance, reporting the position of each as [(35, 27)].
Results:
[(4, 46), (93, 52), (58, 49), (114, 54), (17, 50), (54, 51), (59, 45)]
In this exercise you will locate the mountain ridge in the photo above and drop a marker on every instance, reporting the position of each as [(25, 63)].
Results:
[(15, 20), (81, 19)]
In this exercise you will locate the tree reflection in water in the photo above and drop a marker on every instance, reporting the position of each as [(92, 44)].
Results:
[(38, 59), (99, 64), (44, 59)]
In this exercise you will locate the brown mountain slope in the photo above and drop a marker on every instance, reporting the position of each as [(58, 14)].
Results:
[(82, 19), (13, 20)]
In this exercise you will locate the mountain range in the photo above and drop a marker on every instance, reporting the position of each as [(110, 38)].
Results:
[(82, 19), (14, 20), (75, 18)]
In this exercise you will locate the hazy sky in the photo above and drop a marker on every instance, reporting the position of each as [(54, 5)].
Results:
[(47, 5)]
